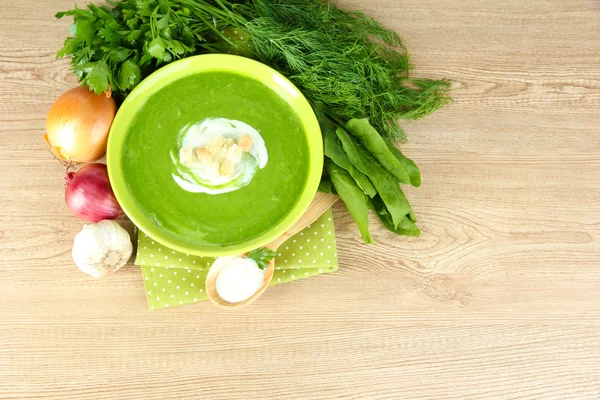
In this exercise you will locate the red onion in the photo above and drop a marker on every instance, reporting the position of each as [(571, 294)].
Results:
[(89, 195)]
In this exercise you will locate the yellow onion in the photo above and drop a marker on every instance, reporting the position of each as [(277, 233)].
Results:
[(78, 123)]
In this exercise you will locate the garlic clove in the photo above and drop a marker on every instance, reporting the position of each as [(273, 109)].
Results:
[(101, 248)]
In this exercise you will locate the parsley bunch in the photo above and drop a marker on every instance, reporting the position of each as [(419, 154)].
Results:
[(120, 45)]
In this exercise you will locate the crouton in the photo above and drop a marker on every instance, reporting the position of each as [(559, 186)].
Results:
[(245, 142), (203, 156), (216, 145), (234, 153), (226, 168)]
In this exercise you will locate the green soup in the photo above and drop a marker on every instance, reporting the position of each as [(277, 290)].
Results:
[(215, 219)]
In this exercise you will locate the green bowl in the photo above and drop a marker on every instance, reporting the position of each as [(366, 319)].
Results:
[(195, 65)]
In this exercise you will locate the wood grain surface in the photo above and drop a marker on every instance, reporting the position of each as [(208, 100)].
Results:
[(499, 298)]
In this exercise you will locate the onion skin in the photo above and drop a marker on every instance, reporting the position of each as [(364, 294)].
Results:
[(78, 123), (89, 195)]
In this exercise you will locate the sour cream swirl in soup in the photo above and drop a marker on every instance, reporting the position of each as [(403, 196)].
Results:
[(218, 155)]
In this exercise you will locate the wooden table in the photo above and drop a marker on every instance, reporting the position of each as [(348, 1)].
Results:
[(499, 298)]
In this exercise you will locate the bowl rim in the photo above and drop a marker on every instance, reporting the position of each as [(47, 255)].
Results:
[(206, 63)]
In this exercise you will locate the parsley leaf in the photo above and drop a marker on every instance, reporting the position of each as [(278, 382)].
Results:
[(117, 55), (110, 35), (176, 47), (262, 256), (69, 47), (133, 35), (98, 77), (156, 48), (85, 30), (129, 75)]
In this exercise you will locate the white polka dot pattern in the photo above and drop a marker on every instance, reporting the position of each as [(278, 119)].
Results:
[(176, 290)]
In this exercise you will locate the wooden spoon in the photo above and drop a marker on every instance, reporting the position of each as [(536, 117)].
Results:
[(319, 205)]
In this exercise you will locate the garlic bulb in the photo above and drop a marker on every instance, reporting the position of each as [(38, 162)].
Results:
[(101, 248)]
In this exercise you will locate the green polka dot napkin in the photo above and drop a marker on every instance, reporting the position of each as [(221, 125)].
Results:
[(173, 278)]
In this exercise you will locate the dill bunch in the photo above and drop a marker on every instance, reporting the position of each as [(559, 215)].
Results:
[(345, 63)]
